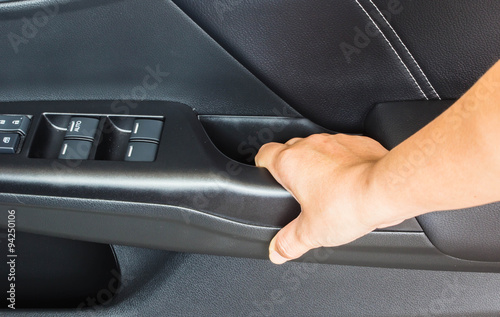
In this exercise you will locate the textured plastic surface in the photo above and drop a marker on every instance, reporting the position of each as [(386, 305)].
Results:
[(55, 273), (159, 283), (187, 230)]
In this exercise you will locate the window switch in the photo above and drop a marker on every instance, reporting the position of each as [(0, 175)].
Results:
[(75, 150), (82, 127), (141, 152), (14, 124), (146, 129), (9, 143)]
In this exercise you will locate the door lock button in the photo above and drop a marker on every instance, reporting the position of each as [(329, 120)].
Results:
[(141, 152), (146, 129), (19, 124), (82, 127), (75, 150), (9, 143)]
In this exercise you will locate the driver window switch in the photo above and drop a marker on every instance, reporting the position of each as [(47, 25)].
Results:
[(9, 143), (82, 128)]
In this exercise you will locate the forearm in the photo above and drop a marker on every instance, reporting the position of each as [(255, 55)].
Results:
[(452, 163), (349, 185)]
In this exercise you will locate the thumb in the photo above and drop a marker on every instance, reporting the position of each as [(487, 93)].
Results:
[(287, 244)]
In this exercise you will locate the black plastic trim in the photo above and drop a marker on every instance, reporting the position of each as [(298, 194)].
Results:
[(192, 198), (187, 230)]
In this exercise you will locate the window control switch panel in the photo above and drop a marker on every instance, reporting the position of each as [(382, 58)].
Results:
[(97, 137)]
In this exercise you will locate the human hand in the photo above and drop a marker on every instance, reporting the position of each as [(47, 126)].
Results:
[(330, 176)]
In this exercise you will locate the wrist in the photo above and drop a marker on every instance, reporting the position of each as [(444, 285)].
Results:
[(386, 202)]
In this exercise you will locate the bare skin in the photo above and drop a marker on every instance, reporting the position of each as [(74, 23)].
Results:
[(348, 186)]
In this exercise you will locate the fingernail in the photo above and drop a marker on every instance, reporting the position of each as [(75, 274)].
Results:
[(276, 258)]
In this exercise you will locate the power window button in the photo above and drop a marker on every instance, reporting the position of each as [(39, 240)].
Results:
[(82, 127), (9, 143), (141, 152), (146, 129), (75, 150)]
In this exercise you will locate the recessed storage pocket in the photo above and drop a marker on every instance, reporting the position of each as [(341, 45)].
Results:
[(240, 137)]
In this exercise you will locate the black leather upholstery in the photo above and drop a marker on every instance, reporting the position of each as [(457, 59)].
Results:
[(91, 50), (431, 49), (455, 41)]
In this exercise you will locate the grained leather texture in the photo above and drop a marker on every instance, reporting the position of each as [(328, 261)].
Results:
[(119, 50), (333, 60), (455, 41)]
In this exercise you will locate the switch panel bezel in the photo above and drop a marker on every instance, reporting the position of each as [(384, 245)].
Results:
[(108, 141)]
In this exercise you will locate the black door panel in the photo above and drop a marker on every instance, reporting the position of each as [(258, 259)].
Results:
[(226, 76), (190, 197), (331, 63), (122, 51)]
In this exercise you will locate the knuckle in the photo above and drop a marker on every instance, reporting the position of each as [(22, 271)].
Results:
[(293, 140), (318, 138), (284, 158), (343, 137), (265, 146)]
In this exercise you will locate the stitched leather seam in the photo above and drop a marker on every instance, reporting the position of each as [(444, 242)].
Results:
[(407, 50), (392, 48)]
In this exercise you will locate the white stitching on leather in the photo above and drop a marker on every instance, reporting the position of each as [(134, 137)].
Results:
[(390, 45), (406, 48)]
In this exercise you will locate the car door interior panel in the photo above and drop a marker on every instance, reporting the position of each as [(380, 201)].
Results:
[(129, 128), (121, 51), (182, 179), (332, 62)]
